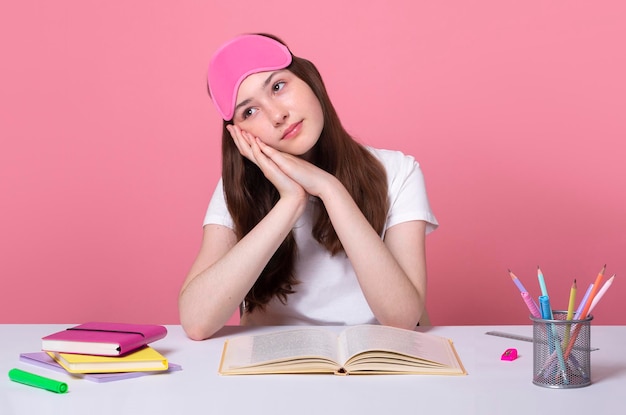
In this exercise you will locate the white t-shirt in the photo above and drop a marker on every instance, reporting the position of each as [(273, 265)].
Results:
[(329, 292)]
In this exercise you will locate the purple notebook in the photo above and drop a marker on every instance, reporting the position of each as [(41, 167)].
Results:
[(42, 359)]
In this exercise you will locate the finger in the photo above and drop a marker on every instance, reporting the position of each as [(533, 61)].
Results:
[(268, 151), (278, 157), (261, 158), (241, 142)]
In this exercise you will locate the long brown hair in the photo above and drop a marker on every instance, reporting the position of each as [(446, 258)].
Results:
[(250, 196)]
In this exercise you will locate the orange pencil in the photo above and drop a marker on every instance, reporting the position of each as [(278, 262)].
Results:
[(594, 291)]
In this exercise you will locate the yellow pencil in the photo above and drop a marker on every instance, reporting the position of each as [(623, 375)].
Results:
[(570, 312), (572, 301)]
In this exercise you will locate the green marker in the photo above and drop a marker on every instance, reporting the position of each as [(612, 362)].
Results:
[(37, 381)]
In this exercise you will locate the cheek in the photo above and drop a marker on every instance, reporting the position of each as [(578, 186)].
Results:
[(314, 106), (319, 114), (263, 134), (255, 128)]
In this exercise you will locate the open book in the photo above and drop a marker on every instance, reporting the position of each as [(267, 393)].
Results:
[(364, 349)]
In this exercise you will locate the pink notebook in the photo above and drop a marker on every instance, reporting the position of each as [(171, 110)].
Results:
[(104, 339)]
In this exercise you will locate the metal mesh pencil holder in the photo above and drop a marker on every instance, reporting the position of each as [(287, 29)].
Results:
[(561, 351)]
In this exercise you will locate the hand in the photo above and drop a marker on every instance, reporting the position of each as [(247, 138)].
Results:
[(314, 180), (248, 147), (242, 141)]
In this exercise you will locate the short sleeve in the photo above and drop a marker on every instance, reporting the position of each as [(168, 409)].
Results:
[(408, 199), (217, 212)]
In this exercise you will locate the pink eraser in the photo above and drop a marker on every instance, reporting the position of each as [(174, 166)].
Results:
[(509, 354)]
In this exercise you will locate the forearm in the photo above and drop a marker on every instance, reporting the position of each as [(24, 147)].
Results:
[(393, 287), (215, 287)]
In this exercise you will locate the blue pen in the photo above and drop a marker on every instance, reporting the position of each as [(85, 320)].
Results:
[(546, 314), (544, 307), (553, 338)]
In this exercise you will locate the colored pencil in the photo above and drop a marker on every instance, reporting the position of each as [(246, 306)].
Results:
[(585, 311), (517, 282), (542, 282), (570, 311), (601, 293)]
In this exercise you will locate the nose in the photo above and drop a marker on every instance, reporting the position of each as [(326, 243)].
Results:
[(278, 114)]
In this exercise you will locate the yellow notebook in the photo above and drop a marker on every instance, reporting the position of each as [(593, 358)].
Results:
[(145, 359)]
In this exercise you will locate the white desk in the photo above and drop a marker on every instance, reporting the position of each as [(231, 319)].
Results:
[(492, 386)]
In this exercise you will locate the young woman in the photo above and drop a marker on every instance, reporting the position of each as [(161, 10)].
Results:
[(306, 226)]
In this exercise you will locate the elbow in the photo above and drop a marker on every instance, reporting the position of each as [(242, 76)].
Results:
[(198, 332), (195, 334), (405, 319), (196, 328), (192, 322), (401, 323)]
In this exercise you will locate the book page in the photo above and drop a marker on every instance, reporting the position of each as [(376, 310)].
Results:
[(248, 351), (359, 339)]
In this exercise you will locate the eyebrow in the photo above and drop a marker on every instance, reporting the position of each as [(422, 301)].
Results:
[(265, 84)]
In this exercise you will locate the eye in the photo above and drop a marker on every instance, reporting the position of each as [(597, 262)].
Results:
[(278, 86), (248, 112)]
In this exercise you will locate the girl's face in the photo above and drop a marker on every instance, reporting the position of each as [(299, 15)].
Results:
[(280, 109)]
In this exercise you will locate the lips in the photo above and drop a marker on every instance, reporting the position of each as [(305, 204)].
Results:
[(292, 131)]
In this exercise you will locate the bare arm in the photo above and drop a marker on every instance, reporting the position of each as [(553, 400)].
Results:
[(224, 270), (391, 273)]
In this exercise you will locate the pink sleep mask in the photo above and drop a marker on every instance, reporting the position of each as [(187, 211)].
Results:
[(235, 60)]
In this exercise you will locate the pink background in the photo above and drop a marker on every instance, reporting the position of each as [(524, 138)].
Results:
[(110, 145)]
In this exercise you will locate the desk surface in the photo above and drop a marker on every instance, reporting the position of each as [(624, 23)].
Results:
[(492, 386)]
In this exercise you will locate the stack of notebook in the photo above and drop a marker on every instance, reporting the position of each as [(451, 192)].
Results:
[(108, 351)]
